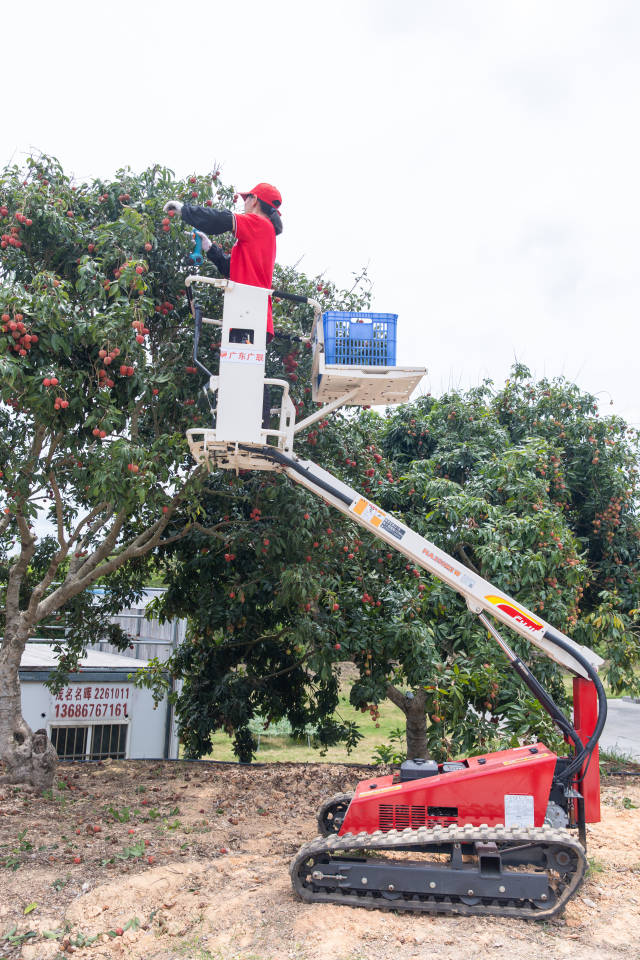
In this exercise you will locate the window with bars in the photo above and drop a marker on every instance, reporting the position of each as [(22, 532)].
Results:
[(97, 741)]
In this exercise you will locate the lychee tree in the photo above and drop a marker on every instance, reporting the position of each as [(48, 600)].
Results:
[(532, 488), (293, 589), (96, 393)]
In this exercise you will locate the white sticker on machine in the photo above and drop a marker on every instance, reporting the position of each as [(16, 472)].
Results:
[(368, 511), (230, 355), (518, 810)]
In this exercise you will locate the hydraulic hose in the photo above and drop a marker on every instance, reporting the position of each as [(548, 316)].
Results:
[(286, 461), (549, 704), (578, 761), (294, 297), (196, 310)]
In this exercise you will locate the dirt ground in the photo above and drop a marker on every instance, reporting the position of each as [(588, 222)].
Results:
[(163, 861)]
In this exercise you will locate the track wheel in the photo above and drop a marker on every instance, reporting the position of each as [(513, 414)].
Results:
[(332, 813)]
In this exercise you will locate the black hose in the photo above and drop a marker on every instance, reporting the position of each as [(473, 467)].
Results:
[(273, 454), (576, 764), (294, 297), (549, 704)]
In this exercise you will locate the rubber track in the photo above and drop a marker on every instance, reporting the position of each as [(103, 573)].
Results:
[(449, 904)]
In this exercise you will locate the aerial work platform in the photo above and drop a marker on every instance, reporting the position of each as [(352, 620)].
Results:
[(353, 365)]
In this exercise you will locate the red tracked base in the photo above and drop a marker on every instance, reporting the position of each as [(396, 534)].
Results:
[(474, 795)]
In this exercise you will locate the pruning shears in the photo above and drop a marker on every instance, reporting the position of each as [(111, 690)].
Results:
[(196, 254)]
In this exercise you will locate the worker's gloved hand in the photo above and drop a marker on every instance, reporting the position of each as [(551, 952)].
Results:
[(206, 243), (172, 205)]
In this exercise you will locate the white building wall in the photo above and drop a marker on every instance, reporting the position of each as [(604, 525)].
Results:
[(149, 638), (88, 702)]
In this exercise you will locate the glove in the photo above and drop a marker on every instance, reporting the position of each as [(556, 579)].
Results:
[(206, 243), (172, 205)]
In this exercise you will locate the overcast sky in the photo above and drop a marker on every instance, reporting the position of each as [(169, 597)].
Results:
[(480, 157)]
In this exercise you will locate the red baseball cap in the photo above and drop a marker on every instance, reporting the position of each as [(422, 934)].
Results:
[(265, 192)]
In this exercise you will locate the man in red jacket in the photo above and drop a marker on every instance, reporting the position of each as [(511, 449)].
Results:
[(254, 252)]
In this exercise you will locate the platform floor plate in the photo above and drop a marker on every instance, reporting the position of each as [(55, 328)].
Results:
[(386, 385), (224, 455)]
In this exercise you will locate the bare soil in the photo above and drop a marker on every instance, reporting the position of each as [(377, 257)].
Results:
[(162, 861)]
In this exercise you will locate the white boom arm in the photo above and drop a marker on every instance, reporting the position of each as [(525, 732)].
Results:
[(480, 595), (240, 441)]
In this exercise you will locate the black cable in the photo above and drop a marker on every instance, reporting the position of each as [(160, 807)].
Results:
[(548, 703), (576, 764), (273, 454)]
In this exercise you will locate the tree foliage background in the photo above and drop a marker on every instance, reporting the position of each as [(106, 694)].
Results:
[(526, 484)]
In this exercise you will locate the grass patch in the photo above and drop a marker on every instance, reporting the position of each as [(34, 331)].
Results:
[(281, 748), (194, 949), (615, 755)]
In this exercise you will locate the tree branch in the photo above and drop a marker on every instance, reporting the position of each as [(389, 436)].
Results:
[(47, 580), (97, 511), (97, 565), (402, 701), (465, 559), (174, 538), (18, 570), (396, 696), (211, 531), (277, 673), (58, 502), (107, 545), (98, 521), (53, 446), (250, 644), (134, 432)]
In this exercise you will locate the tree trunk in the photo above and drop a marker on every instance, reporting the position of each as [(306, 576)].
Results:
[(28, 757), (413, 705)]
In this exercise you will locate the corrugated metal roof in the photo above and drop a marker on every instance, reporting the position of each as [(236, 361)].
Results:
[(42, 656)]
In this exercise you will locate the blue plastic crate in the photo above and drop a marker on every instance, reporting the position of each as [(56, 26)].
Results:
[(360, 339)]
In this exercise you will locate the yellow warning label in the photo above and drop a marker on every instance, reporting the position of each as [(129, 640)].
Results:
[(528, 756), (368, 512), (387, 789)]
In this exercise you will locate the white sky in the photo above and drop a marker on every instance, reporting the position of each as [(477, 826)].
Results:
[(481, 156)]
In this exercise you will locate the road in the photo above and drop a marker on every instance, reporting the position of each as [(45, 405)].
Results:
[(622, 729)]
